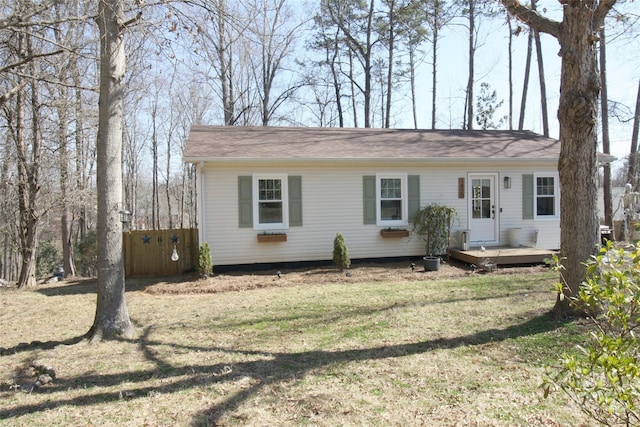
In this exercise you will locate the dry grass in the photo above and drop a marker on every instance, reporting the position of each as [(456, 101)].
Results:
[(384, 346)]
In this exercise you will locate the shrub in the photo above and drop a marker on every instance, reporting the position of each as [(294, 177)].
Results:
[(340, 253), (603, 376), (86, 255), (433, 224), (204, 267), (47, 258)]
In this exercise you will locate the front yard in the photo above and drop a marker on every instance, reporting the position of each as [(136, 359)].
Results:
[(313, 347)]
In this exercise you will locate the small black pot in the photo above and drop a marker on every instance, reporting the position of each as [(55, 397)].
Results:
[(431, 263)]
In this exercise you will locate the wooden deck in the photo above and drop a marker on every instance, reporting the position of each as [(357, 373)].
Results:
[(502, 256)]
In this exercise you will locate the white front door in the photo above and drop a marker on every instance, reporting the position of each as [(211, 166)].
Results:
[(482, 208)]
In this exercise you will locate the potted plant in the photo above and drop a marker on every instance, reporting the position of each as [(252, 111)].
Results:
[(433, 224)]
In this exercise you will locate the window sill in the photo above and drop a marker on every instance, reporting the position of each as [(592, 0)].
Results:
[(394, 233), (272, 237)]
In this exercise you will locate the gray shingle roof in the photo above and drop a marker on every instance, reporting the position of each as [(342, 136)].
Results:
[(211, 143)]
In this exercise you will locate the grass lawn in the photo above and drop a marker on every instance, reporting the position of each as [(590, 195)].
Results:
[(463, 351)]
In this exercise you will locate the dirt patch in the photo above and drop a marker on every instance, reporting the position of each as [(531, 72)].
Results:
[(361, 273)]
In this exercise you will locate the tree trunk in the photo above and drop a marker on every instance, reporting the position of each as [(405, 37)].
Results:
[(336, 79), (354, 100), (367, 68), (66, 227), (412, 84), (525, 83), (510, 72), (434, 70), (577, 113), (112, 317), (28, 177), (543, 86), (81, 152), (606, 143), (472, 52), (632, 175), (541, 79), (155, 191), (387, 119)]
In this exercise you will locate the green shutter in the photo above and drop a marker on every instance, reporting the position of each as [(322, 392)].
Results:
[(527, 196), (369, 197), (245, 201), (295, 201), (414, 195)]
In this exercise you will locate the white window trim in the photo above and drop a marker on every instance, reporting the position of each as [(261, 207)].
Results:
[(285, 202), (556, 196), (405, 200)]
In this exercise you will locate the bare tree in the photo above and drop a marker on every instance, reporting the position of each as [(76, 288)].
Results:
[(525, 81), (632, 174), (355, 21), (577, 113), (471, 14), (541, 78), (327, 39), (606, 143), (112, 317), (438, 14), (274, 37)]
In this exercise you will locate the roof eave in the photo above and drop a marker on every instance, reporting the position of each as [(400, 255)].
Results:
[(229, 160)]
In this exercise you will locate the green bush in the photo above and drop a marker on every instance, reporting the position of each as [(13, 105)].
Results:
[(47, 259), (204, 267), (603, 376), (86, 255), (340, 253)]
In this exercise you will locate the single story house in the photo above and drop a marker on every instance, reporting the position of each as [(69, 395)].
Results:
[(279, 194)]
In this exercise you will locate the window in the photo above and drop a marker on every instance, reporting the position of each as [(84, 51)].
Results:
[(481, 198), (392, 200), (270, 204), (546, 200)]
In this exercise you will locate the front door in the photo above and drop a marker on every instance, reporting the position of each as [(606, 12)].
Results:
[(482, 208)]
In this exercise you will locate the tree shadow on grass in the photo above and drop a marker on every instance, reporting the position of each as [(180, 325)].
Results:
[(267, 369), (90, 286), (39, 345)]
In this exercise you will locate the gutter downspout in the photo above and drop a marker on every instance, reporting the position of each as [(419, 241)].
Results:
[(201, 190)]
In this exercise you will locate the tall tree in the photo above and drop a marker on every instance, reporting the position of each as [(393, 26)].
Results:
[(510, 68), (577, 114), (327, 41), (471, 15), (632, 171), (355, 20), (525, 80), (29, 166), (112, 317), (274, 38), (541, 78), (487, 104), (606, 142), (438, 14)]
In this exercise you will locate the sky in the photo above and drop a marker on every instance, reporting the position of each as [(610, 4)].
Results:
[(623, 67)]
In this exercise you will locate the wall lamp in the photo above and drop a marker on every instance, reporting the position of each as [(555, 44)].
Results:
[(125, 216), (507, 182)]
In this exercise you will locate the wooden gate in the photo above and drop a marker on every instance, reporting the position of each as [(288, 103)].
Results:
[(149, 252)]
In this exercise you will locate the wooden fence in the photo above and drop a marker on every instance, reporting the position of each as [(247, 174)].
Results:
[(149, 252)]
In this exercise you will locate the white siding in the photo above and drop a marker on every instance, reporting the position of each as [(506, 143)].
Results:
[(332, 199)]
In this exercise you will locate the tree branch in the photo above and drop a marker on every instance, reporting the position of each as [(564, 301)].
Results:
[(29, 59), (532, 18), (5, 97), (601, 11), (132, 21)]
